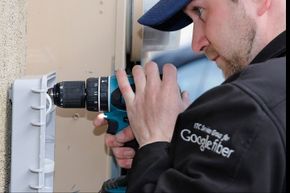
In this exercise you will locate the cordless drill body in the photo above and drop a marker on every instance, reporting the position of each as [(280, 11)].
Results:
[(100, 94)]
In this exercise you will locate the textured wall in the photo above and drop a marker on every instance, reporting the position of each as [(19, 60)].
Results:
[(12, 63)]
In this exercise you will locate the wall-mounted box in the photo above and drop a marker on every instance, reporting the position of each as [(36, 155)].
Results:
[(33, 135)]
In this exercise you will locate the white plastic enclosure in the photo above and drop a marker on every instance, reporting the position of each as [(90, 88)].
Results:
[(33, 134)]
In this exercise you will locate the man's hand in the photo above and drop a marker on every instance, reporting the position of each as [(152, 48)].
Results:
[(153, 108), (124, 155)]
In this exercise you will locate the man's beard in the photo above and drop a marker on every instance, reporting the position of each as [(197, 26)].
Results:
[(241, 57)]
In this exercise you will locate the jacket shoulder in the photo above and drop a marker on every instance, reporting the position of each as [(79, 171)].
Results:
[(266, 84)]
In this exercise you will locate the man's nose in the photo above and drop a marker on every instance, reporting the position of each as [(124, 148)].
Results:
[(199, 40)]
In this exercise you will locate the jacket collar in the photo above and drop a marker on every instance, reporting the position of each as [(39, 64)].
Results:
[(276, 48)]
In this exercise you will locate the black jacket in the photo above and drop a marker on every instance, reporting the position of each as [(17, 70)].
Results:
[(231, 139)]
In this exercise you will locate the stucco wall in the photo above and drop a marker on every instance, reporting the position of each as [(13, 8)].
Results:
[(12, 65)]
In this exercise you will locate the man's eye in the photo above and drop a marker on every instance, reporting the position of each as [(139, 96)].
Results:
[(199, 12)]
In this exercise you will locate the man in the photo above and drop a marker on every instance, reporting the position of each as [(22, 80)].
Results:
[(233, 137)]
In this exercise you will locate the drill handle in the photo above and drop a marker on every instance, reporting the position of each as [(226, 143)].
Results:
[(117, 121)]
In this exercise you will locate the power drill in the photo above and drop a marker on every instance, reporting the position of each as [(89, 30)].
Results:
[(100, 94)]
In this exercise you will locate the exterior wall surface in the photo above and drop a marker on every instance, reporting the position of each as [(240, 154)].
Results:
[(77, 39), (12, 66)]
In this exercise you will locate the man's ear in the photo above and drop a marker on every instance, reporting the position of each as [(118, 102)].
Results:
[(263, 6)]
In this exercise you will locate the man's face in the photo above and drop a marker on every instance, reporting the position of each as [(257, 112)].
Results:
[(224, 32)]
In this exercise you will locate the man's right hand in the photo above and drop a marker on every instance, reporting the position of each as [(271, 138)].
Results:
[(124, 155)]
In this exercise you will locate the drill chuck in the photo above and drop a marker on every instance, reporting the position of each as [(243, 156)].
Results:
[(69, 94), (93, 94)]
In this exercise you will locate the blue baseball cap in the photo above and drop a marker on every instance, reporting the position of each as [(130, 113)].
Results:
[(166, 15)]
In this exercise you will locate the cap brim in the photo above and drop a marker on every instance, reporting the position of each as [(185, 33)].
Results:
[(167, 15)]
